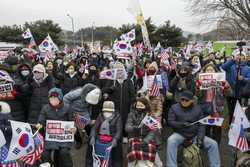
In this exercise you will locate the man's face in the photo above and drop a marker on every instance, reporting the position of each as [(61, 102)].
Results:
[(186, 103)]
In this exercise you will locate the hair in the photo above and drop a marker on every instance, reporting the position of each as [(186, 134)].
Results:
[(145, 102), (208, 65)]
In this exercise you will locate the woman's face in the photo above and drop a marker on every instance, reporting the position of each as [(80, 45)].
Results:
[(49, 66), (210, 69), (195, 60)]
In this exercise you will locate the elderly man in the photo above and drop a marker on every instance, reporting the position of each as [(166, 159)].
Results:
[(179, 118)]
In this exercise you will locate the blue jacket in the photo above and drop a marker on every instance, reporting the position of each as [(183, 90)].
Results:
[(231, 74)]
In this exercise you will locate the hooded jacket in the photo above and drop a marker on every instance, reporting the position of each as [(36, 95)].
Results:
[(76, 99)]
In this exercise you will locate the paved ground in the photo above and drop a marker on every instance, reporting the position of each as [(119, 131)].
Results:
[(79, 155)]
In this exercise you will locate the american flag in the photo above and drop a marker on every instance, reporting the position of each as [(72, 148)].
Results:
[(3, 155), (242, 143), (105, 161), (155, 90), (32, 43), (164, 56), (31, 158), (81, 121), (9, 164)]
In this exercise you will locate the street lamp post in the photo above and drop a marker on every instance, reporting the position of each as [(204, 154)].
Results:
[(93, 28), (73, 29)]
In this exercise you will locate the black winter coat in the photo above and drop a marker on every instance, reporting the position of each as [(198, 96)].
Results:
[(39, 97)]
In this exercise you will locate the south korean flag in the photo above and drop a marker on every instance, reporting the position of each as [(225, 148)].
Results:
[(22, 142)]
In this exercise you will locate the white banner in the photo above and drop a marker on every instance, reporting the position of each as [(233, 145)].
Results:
[(209, 80), (59, 131)]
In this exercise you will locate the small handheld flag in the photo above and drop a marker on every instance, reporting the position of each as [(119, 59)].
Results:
[(155, 90)]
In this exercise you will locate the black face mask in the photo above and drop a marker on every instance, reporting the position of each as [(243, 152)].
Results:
[(92, 72), (182, 75), (140, 110)]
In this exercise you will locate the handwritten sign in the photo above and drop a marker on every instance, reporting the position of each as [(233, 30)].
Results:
[(59, 131)]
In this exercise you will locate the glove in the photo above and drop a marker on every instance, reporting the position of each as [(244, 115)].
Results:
[(199, 143), (92, 141), (114, 143), (39, 126)]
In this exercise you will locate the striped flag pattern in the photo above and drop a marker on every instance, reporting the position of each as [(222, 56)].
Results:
[(164, 56), (81, 121), (155, 90), (9, 164), (242, 143), (31, 158), (32, 43)]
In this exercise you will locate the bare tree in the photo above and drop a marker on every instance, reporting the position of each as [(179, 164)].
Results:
[(232, 12)]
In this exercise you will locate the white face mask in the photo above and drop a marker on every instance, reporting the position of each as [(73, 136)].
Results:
[(38, 76), (59, 61), (107, 114), (25, 73)]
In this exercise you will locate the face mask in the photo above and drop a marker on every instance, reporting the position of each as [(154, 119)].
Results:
[(54, 101), (140, 109), (25, 73), (59, 61), (151, 72), (92, 71), (107, 114), (38, 76), (183, 75)]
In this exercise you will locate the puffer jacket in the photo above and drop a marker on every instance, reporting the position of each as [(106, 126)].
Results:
[(39, 97), (76, 99), (61, 114)]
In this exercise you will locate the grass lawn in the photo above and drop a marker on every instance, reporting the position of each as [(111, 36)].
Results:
[(229, 47)]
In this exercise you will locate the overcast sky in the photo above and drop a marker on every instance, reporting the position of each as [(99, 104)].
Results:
[(102, 12)]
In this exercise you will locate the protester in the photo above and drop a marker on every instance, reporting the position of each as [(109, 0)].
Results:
[(39, 86), (237, 73), (212, 101), (180, 117), (106, 136), (146, 138), (56, 110)]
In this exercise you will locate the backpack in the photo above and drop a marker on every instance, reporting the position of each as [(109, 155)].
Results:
[(192, 156), (243, 159)]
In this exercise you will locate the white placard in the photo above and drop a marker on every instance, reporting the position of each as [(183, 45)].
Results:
[(209, 80), (59, 131)]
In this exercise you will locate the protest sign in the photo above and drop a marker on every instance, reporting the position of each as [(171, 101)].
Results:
[(209, 80), (5, 91), (59, 131)]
